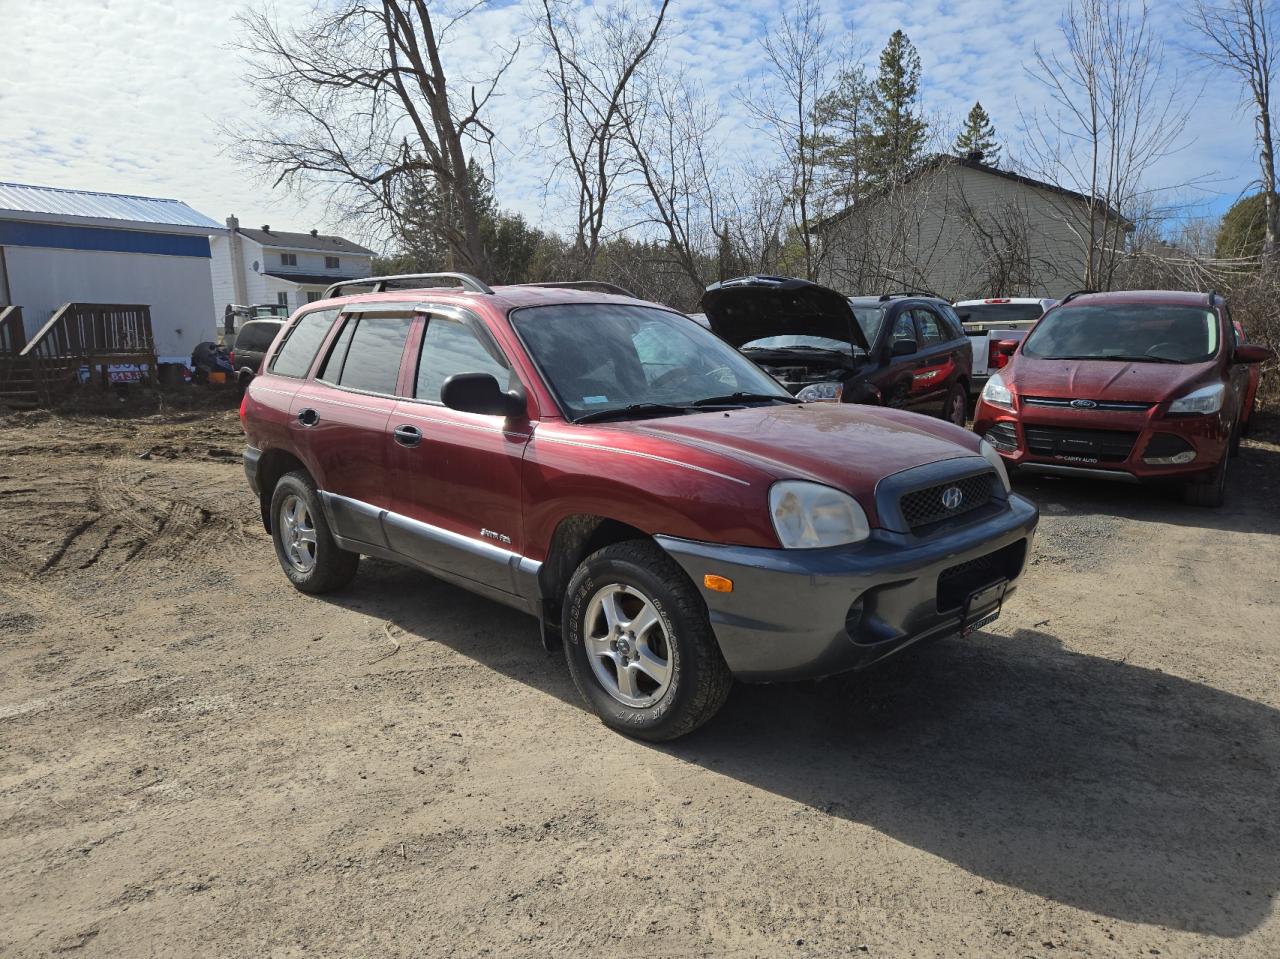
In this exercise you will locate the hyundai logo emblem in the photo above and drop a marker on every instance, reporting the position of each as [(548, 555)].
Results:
[(1084, 404), (952, 497)]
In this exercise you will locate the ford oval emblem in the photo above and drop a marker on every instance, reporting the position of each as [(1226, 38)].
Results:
[(952, 497), (1084, 405)]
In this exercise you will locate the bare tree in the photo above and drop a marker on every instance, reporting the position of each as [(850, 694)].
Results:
[(358, 101), (1239, 39), (590, 72), (1114, 115), (799, 65)]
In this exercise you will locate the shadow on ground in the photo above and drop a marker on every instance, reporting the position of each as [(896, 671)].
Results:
[(1093, 783)]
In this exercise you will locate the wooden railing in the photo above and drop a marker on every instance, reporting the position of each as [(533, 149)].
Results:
[(88, 331), (13, 335)]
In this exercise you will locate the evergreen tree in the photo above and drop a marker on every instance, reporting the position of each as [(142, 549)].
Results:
[(1244, 228), (842, 119), (898, 130), (978, 135)]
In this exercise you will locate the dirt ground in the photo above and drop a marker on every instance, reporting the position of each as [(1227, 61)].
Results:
[(195, 760)]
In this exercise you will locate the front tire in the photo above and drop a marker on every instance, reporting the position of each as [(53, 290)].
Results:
[(639, 644), (1209, 490), (304, 543), (955, 408)]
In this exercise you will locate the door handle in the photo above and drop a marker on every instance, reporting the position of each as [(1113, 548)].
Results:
[(407, 435), (308, 417)]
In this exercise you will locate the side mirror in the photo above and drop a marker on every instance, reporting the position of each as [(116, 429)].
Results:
[(905, 347), (1248, 353), (480, 393)]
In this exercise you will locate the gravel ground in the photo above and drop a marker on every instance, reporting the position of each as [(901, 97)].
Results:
[(195, 760)]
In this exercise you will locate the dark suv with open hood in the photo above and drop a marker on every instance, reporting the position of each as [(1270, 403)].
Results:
[(900, 350)]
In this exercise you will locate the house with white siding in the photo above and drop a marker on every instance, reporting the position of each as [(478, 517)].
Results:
[(266, 266), (60, 246), (962, 229)]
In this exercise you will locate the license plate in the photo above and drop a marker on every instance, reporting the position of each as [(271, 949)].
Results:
[(983, 607)]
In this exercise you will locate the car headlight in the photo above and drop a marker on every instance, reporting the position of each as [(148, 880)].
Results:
[(821, 393), (809, 515), (997, 463), (1206, 400), (996, 393)]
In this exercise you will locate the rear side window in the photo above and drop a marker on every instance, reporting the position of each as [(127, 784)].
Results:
[(450, 347), (304, 339), (367, 353), (256, 336)]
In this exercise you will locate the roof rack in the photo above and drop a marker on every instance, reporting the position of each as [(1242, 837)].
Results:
[(885, 297), (584, 285), (405, 281), (1213, 295), (1073, 294)]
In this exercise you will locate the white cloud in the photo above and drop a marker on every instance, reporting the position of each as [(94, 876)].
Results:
[(127, 95)]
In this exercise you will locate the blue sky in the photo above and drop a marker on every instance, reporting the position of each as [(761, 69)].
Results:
[(127, 95)]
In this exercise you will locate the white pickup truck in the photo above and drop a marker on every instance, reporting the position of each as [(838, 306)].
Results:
[(994, 321)]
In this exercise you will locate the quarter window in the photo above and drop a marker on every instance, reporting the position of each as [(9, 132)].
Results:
[(366, 355), (450, 347), (302, 343), (903, 328)]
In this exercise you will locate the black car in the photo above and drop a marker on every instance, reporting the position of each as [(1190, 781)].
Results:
[(252, 343), (899, 350)]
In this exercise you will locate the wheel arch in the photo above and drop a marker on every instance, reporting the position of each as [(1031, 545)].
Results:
[(274, 464)]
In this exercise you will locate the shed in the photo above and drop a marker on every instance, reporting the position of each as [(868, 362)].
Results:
[(62, 246)]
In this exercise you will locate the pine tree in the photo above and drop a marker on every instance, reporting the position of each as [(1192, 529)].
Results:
[(842, 118), (978, 136), (898, 131)]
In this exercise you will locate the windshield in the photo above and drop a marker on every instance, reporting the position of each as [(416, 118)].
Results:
[(999, 312), (601, 357), (1126, 331)]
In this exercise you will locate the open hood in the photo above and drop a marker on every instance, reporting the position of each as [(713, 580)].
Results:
[(752, 307)]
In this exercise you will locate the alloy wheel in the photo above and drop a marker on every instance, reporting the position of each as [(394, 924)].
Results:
[(627, 645), (298, 534)]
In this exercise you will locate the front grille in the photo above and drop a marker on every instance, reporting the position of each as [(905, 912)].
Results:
[(924, 507), (1104, 445), (956, 583), (1109, 406)]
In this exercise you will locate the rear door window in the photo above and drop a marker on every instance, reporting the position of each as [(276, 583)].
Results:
[(367, 353), (931, 330), (304, 339), (903, 328), (450, 347)]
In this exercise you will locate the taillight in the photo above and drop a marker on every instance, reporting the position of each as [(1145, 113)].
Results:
[(233, 357), (996, 360)]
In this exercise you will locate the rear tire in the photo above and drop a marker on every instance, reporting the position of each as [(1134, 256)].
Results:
[(310, 558), (639, 644), (955, 408), (1209, 490)]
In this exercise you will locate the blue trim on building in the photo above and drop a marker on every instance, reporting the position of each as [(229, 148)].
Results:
[(53, 236)]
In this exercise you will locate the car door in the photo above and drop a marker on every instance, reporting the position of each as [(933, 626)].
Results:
[(342, 413), (935, 368), (456, 476), (896, 380)]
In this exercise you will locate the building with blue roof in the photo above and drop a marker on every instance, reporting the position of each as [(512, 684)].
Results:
[(76, 246)]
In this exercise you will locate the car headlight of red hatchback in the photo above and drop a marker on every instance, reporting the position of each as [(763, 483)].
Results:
[(809, 515)]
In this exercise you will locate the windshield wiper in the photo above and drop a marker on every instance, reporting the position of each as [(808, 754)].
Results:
[(1120, 358), (741, 397), (631, 410)]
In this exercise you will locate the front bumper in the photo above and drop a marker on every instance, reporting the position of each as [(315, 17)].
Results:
[(1207, 436), (803, 614)]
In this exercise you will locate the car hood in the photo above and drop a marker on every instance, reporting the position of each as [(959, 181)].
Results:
[(751, 308), (849, 447), (1103, 379)]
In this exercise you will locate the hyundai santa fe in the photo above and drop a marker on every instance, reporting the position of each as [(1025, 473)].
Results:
[(672, 516), (1146, 386)]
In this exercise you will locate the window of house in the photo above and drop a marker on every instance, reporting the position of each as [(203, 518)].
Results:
[(312, 296), (288, 259), (450, 347), (367, 353), (330, 262), (302, 342), (282, 298)]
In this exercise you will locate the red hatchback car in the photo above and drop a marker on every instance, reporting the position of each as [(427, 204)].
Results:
[(1134, 386), (671, 514)]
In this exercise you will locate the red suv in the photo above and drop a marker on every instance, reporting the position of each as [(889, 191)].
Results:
[(1133, 386), (669, 512)]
